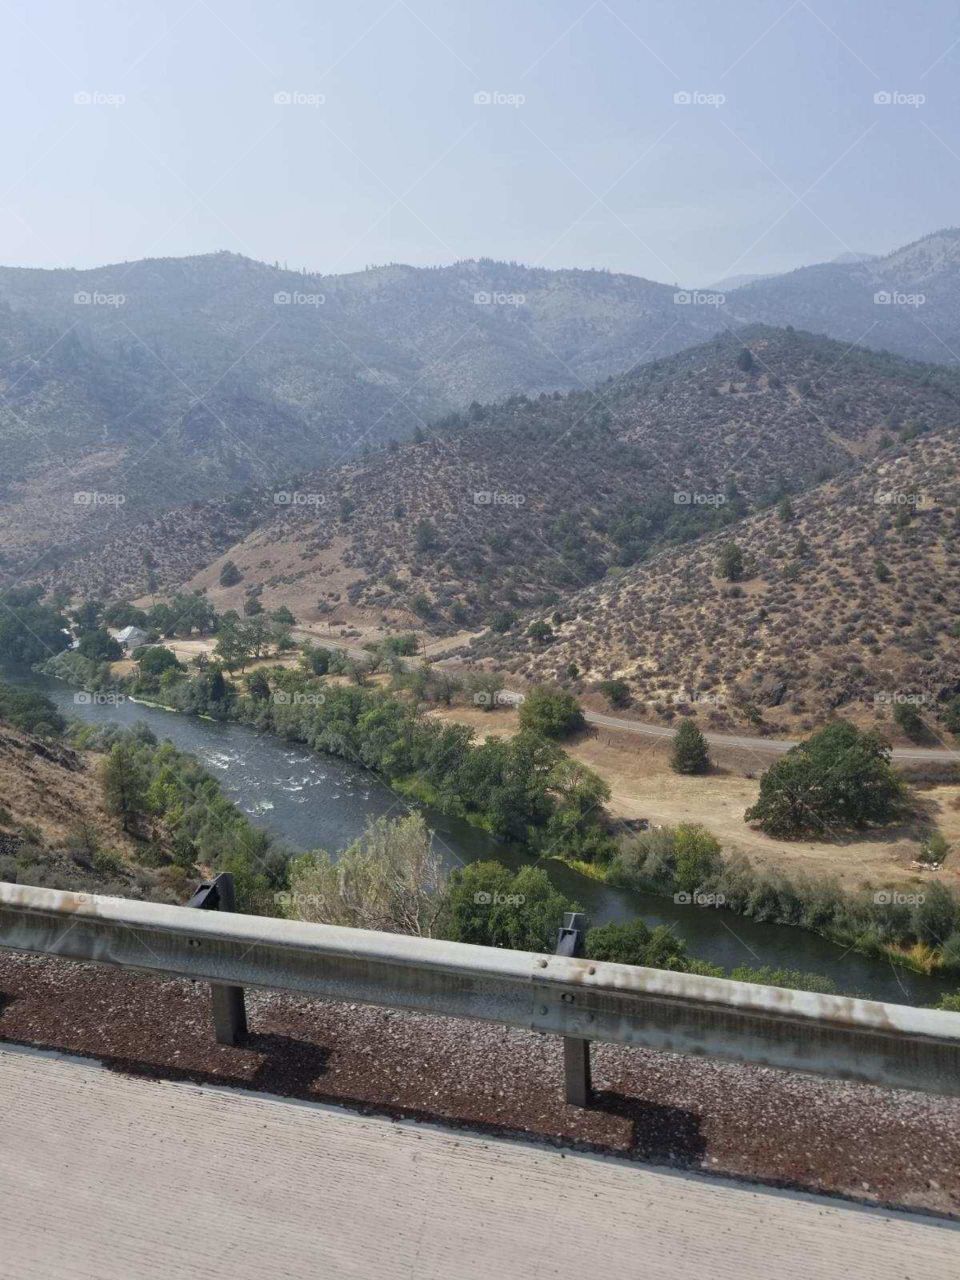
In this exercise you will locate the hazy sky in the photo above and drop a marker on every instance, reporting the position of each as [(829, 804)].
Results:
[(135, 129)]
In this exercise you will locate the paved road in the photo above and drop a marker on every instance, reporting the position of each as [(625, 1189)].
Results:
[(105, 1176), (765, 746), (771, 746)]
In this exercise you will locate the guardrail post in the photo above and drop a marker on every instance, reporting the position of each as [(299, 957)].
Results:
[(227, 1001), (576, 1052)]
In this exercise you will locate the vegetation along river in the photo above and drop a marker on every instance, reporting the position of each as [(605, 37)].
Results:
[(313, 801)]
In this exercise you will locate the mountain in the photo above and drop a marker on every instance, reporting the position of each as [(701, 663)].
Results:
[(168, 380), (846, 604), (130, 388), (907, 301), (516, 505)]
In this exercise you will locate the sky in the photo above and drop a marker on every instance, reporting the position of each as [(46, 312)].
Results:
[(333, 136)]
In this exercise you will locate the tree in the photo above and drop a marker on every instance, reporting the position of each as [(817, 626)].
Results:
[(616, 692), (540, 631), (838, 778), (910, 721), (154, 660), (697, 857), (283, 616), (87, 616), (390, 879), (491, 906), (951, 717), (689, 753), (730, 562), (124, 786), (745, 361), (100, 646), (551, 713), (785, 509), (258, 686), (30, 632), (635, 943), (230, 575), (29, 711)]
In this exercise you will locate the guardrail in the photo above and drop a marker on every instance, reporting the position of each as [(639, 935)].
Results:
[(561, 995)]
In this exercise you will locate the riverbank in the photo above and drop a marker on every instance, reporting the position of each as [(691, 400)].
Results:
[(313, 800)]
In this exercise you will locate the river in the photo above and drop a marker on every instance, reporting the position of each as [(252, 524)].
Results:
[(315, 801)]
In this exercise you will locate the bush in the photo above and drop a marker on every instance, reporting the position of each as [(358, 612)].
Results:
[(730, 562), (839, 778), (99, 646), (490, 905), (689, 753), (909, 720), (616, 692), (551, 713), (390, 879), (230, 575), (635, 943), (154, 660), (30, 711), (795, 979)]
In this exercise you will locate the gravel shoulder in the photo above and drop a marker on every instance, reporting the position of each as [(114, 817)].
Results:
[(877, 1146)]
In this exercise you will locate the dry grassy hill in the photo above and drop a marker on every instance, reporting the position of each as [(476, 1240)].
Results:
[(850, 603), (517, 505)]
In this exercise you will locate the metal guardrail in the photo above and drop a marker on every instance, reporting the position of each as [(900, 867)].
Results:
[(561, 995)]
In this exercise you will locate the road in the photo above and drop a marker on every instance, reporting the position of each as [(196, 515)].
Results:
[(770, 746), (104, 1176), (764, 746)]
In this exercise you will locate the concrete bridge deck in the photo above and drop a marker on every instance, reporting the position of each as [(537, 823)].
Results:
[(105, 1176)]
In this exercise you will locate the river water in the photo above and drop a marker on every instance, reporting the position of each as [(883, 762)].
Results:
[(315, 801)]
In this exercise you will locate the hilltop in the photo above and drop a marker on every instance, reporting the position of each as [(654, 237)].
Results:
[(906, 301)]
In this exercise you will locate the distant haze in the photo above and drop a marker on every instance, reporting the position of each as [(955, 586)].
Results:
[(681, 140)]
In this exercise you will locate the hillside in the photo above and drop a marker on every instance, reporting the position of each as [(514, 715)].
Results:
[(164, 381), (847, 604), (577, 484), (907, 301), (168, 380)]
